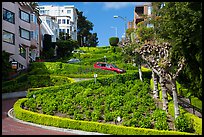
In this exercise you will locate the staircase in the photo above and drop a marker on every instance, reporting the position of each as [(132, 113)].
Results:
[(185, 103)]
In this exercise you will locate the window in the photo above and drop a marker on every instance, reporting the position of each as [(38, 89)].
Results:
[(67, 31), (63, 21), (24, 16), (63, 30), (41, 8), (24, 33), (32, 33), (42, 11), (47, 12), (149, 10), (33, 18), (36, 34), (8, 37), (139, 10), (67, 21), (8, 16), (68, 11), (22, 51), (59, 21), (49, 23)]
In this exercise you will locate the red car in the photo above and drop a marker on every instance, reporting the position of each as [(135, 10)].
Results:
[(106, 66)]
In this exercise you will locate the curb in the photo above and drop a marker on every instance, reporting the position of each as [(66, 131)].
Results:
[(78, 132)]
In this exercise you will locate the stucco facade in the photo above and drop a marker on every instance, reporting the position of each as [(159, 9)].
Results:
[(20, 33)]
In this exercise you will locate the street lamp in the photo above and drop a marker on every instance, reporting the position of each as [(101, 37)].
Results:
[(116, 33), (124, 19)]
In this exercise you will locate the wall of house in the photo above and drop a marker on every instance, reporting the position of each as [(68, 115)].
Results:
[(30, 45)]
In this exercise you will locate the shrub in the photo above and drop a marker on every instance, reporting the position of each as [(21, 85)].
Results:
[(161, 119), (183, 124), (197, 122), (83, 125), (113, 41)]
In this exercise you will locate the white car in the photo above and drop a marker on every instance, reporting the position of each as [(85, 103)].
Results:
[(77, 51), (73, 60)]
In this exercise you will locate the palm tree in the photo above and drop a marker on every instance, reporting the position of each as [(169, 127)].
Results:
[(34, 6)]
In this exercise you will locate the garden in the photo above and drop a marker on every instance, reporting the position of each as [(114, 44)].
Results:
[(112, 103)]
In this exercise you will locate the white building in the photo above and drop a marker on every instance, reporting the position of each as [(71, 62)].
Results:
[(50, 26), (66, 17)]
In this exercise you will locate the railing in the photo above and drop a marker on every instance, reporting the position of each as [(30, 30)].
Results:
[(183, 102)]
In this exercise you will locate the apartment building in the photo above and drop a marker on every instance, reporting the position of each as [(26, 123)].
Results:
[(49, 26), (20, 33), (141, 12), (66, 17)]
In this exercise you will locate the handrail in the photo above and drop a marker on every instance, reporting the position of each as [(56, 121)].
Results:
[(184, 103)]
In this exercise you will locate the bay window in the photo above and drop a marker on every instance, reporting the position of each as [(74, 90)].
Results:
[(63, 21)]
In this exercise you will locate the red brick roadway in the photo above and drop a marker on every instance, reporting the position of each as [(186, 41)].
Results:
[(12, 127)]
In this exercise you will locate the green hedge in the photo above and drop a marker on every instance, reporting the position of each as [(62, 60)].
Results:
[(19, 83), (113, 41), (120, 78), (49, 120), (197, 122), (28, 81), (65, 69), (48, 80), (196, 102)]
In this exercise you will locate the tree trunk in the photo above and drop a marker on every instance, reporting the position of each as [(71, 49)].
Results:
[(175, 99), (155, 85), (140, 71), (164, 94)]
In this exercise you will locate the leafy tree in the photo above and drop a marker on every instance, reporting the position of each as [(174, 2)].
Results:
[(129, 55), (65, 47), (144, 33), (181, 24), (113, 41), (84, 26), (129, 31), (47, 51), (63, 36), (92, 40), (34, 5)]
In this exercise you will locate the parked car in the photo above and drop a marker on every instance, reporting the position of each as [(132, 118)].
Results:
[(106, 66), (78, 51), (73, 60)]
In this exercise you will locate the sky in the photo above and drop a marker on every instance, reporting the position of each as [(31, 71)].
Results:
[(101, 14)]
